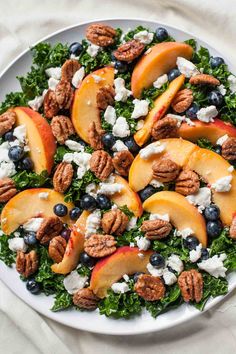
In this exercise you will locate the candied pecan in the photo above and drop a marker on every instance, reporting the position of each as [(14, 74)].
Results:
[(64, 94), (7, 120), (204, 79), (105, 97), (122, 162), (69, 68), (182, 101), (101, 164), (95, 136), (7, 189), (232, 230), (85, 299), (150, 288), (27, 263), (165, 128), (187, 182), (50, 104), (156, 229), (129, 50), (114, 222), (62, 128), (165, 170), (49, 228), (229, 149), (100, 34), (99, 246), (191, 285), (56, 249), (62, 177)]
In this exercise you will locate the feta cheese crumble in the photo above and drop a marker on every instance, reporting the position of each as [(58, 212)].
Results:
[(222, 89), (132, 223), (144, 37), (222, 184), (78, 77), (140, 124), (232, 83), (119, 146), (120, 288), (164, 217), (91, 189), (154, 271), (143, 243), (231, 168), (214, 265), (175, 263), (93, 50), (36, 103), (20, 133), (185, 232), (17, 244), (110, 188), (126, 277), (52, 83), (54, 73), (81, 159), (155, 183), (186, 67), (194, 255), (140, 108), (33, 224), (151, 150), (74, 145), (93, 223), (222, 139), (43, 195), (160, 81), (207, 114), (121, 128), (202, 198), (121, 93), (110, 115), (74, 282), (169, 277)]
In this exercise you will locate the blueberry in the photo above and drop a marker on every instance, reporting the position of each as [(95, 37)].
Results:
[(216, 62), (32, 286), (161, 34), (157, 260), (121, 66), (218, 149), (146, 192), (212, 212), (113, 58), (75, 48), (215, 98), (173, 74), (204, 254), (60, 209), (75, 213), (9, 136), (87, 260), (136, 275), (192, 111), (15, 153), (191, 242), (214, 228), (26, 164), (131, 145), (30, 238), (66, 234), (103, 201), (108, 140), (87, 202)]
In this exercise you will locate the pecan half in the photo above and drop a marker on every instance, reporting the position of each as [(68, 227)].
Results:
[(27, 263), (165, 128), (129, 50), (182, 101), (122, 162), (95, 136), (150, 288), (99, 246), (56, 249), (229, 149), (50, 104), (204, 79), (62, 128), (232, 230), (101, 35), (191, 285), (165, 170), (7, 120), (187, 183), (156, 229), (69, 68), (49, 228), (7, 189), (114, 222), (85, 299), (64, 94), (101, 164), (105, 97), (62, 177)]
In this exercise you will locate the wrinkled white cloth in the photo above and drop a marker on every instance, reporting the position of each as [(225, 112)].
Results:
[(22, 330)]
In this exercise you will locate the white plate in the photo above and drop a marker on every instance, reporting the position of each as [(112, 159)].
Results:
[(83, 320)]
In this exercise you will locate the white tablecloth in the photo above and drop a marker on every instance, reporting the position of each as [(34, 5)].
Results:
[(22, 330)]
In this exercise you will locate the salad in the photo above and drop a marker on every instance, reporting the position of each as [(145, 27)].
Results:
[(117, 181)]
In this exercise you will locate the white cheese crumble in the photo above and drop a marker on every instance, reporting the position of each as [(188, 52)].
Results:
[(119, 146), (33, 224), (185, 232), (140, 108), (91, 189), (155, 183), (93, 223), (81, 159), (36, 103), (164, 217), (222, 89), (160, 81), (222, 139), (110, 115), (194, 255), (121, 93), (214, 265), (207, 114), (144, 37), (78, 77), (140, 124), (154, 271), (175, 263), (20, 133), (151, 150), (222, 184), (74, 145), (231, 168), (202, 198), (55, 73), (190, 122), (132, 223), (93, 50), (17, 244), (186, 67), (120, 288), (7, 169), (52, 83), (143, 243), (43, 195), (126, 277), (121, 128), (74, 282), (232, 83), (110, 188), (169, 277)]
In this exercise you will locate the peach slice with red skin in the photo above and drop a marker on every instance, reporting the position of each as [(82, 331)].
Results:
[(160, 60), (84, 110), (107, 271), (161, 104), (40, 138), (28, 204)]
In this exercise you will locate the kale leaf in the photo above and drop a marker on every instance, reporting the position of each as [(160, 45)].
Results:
[(205, 143), (63, 300), (24, 179), (172, 244), (6, 255), (13, 99)]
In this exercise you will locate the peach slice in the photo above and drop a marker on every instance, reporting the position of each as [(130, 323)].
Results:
[(40, 138), (182, 214), (211, 166), (212, 131), (74, 248), (127, 197), (161, 105), (160, 60), (28, 204), (140, 173), (84, 110), (110, 269)]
